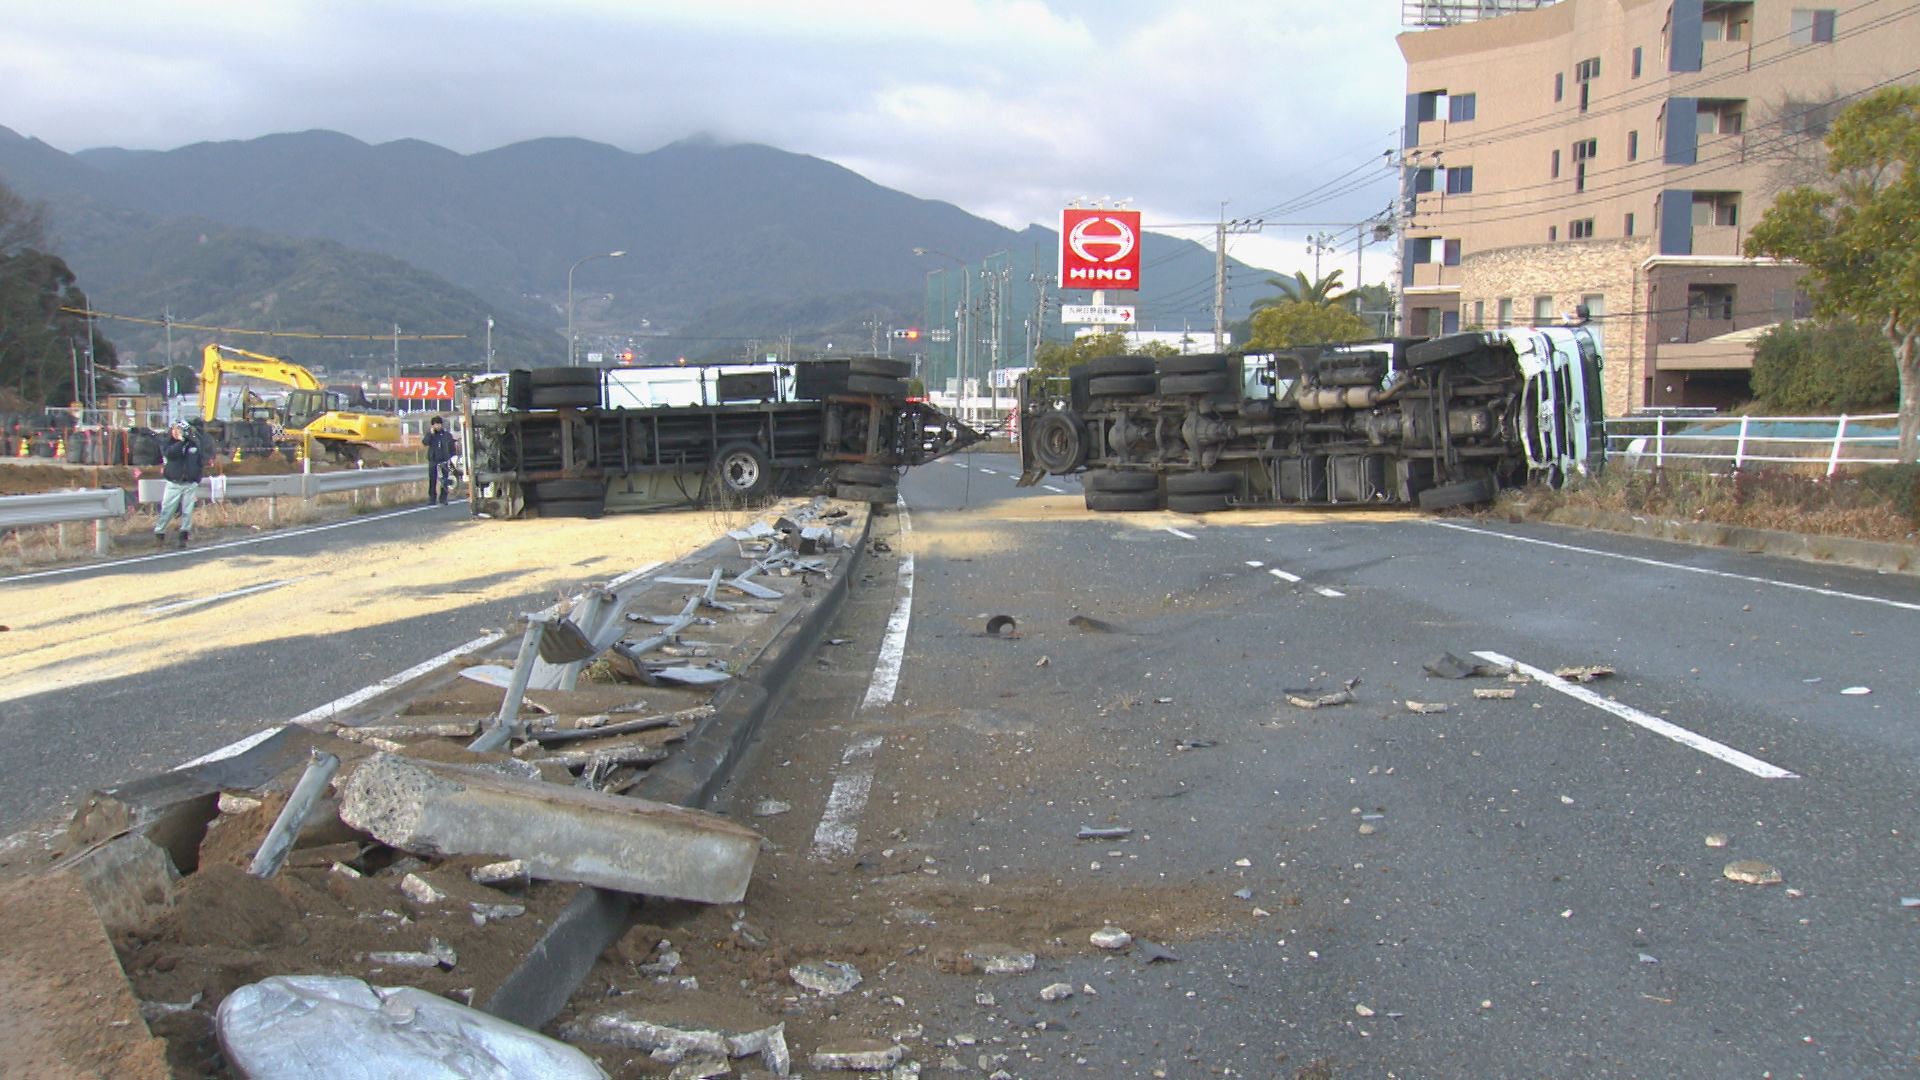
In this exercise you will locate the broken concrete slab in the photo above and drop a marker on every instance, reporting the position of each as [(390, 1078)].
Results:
[(562, 833), (858, 1055), (670, 1043), (129, 879)]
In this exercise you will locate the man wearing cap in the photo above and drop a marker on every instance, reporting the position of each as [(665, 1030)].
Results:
[(181, 455)]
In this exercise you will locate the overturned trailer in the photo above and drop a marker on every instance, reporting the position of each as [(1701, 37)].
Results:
[(1438, 423), (578, 441)]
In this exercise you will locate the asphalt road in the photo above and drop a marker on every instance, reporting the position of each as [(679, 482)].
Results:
[(1514, 887)]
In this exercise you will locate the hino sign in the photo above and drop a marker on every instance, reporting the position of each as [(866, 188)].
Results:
[(1100, 249)]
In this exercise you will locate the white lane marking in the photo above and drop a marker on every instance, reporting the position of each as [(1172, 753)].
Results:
[(1181, 535), (202, 601), (1652, 723), (1055, 490), (988, 471), (1255, 563), (837, 832), (1284, 576), (1324, 591), (278, 534), (956, 463), (1835, 593), (893, 646)]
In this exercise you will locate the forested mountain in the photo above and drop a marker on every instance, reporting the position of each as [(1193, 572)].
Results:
[(725, 244)]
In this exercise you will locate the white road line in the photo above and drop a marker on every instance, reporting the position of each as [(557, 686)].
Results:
[(1255, 563), (1324, 591), (202, 601), (1181, 535), (837, 831), (1284, 576), (988, 471), (1652, 723), (893, 647), (1835, 593), (1055, 490)]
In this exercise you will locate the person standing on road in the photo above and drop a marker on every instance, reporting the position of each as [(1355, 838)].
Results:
[(181, 455), (440, 451)]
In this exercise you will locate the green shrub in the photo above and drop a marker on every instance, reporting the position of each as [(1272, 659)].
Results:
[(1899, 485), (1817, 368)]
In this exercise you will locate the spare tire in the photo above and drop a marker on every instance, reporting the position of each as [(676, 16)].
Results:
[(1107, 501), (1201, 483), (1109, 385), (1114, 365), (1059, 441), (1120, 481), (1197, 364)]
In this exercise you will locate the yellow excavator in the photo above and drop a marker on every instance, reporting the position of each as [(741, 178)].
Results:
[(318, 417)]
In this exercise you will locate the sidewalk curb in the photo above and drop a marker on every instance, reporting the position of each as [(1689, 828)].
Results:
[(1807, 547)]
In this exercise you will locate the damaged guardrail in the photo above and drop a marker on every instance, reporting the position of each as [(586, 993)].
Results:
[(304, 485)]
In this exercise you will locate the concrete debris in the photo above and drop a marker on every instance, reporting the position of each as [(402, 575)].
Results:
[(829, 978), (1001, 959), (496, 911), (509, 874), (665, 963), (1583, 673), (438, 955), (701, 1068), (671, 1045), (1717, 840), (1753, 872), (1314, 699), (1056, 992), (1088, 832), (1426, 706), (1368, 828), (300, 1026), (1111, 938), (1491, 694), (129, 879), (230, 803), (857, 1055), (1449, 666), (1243, 894), (418, 890), (984, 1000), (1362, 1010), (562, 833), (770, 808)]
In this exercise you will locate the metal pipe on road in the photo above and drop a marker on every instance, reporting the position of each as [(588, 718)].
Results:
[(286, 828)]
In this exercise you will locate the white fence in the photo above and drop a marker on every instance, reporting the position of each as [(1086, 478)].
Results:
[(1735, 442)]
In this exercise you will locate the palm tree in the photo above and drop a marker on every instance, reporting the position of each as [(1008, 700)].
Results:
[(1322, 293)]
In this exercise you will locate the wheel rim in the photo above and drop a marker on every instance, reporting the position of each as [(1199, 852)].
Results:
[(741, 472)]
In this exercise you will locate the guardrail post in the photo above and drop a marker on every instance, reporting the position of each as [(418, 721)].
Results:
[(1839, 436), (1659, 442), (273, 509), (60, 538), (1740, 448), (102, 538)]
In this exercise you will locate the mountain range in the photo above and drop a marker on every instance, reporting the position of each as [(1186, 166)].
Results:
[(729, 249)]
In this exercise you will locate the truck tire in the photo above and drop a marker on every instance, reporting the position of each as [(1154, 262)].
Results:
[(1213, 383), (1059, 440), (870, 475), (563, 376), (1113, 501), (1444, 348), (884, 366), (877, 385), (1198, 504), (1201, 364), (1201, 483), (877, 494), (1108, 385), (1114, 365), (564, 397), (1115, 481), (742, 472), (1460, 493), (544, 491)]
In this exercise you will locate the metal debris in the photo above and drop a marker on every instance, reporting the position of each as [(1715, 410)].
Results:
[(1088, 832)]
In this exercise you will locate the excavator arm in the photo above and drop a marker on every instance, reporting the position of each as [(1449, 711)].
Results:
[(221, 361)]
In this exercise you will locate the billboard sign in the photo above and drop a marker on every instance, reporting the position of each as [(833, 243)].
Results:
[(1096, 315), (431, 388), (1100, 249)]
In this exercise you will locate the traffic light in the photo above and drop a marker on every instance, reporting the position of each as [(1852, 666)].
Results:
[(907, 334)]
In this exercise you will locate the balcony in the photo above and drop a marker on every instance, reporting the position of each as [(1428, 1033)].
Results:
[(1722, 240), (1434, 275)]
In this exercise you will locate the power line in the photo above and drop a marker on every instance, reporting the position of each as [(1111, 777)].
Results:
[(243, 331)]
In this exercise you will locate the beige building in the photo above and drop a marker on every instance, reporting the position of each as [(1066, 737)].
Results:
[(1614, 154)]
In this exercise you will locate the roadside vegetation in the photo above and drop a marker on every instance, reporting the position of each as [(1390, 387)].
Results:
[(1880, 503)]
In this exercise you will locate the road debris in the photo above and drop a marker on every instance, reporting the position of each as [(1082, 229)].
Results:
[(1910, 901), (1488, 693), (1717, 840), (1001, 959), (672, 1044), (1152, 952), (1056, 991), (1088, 832), (1449, 666), (1003, 626), (1752, 872), (1426, 706), (828, 978), (1092, 625), (1110, 938), (770, 808), (1310, 698), (1583, 673), (857, 1055), (1857, 691), (1195, 744)]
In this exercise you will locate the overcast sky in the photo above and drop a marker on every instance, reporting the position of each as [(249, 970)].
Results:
[(1007, 108)]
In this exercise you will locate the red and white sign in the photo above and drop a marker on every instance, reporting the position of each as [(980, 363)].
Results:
[(417, 388), (1100, 249)]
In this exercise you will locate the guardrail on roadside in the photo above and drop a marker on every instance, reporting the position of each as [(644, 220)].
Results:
[(1738, 441)]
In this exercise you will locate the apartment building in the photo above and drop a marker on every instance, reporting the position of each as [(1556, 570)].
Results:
[(1611, 155)]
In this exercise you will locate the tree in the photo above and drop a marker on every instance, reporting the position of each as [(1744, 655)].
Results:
[(1810, 368), (1055, 357), (1298, 322), (1855, 233), (1298, 288)]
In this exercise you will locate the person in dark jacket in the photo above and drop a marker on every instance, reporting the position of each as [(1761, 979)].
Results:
[(440, 451), (182, 468)]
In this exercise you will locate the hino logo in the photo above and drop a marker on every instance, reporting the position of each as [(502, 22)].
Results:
[(1095, 234), (1099, 275)]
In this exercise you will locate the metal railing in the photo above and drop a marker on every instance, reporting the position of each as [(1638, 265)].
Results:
[(1736, 442), (54, 508)]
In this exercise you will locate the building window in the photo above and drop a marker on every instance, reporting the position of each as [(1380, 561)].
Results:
[(1710, 302), (1716, 208), (1450, 252), (1459, 179), (1581, 229), (1636, 61), (1479, 313), (1420, 250), (1583, 151), (1629, 227), (1596, 305), (1721, 117), (1460, 108), (1553, 233), (1427, 105), (1554, 168), (1559, 85), (1812, 26), (1633, 146), (1542, 310), (1506, 311)]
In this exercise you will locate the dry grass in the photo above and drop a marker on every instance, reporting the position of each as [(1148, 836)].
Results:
[(1877, 504)]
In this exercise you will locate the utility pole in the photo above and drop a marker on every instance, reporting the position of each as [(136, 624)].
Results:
[(1318, 244), (489, 344), (393, 388), (167, 385), (1237, 227)]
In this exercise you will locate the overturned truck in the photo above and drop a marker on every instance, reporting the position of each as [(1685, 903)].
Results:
[(578, 441), (1439, 423)]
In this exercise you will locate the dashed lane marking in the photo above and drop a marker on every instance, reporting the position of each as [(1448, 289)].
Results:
[(1181, 535), (202, 601)]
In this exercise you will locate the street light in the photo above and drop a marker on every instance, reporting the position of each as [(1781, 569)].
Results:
[(570, 270), (960, 324)]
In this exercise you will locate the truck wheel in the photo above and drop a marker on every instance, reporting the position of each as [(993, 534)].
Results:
[(1109, 501), (545, 491), (1444, 348), (563, 376), (1107, 385), (1198, 504), (1059, 440), (1201, 483), (742, 472), (564, 397), (1116, 481), (1202, 364), (883, 366), (870, 475), (1460, 493), (1115, 365), (1212, 383), (877, 494), (877, 385)]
